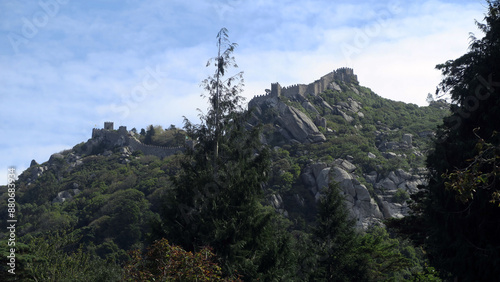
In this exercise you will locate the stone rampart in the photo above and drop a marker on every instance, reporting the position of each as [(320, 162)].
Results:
[(295, 89), (158, 151), (121, 137), (340, 75)]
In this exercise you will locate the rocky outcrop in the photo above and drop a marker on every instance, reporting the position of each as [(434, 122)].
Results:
[(298, 125), (293, 124), (362, 206), (36, 172), (309, 107), (393, 189), (277, 203), (387, 199), (66, 195)]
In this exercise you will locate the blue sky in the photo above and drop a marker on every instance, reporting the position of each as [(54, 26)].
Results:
[(67, 66)]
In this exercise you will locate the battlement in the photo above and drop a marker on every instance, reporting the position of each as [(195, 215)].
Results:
[(345, 75), (108, 125), (125, 138), (339, 75), (345, 70)]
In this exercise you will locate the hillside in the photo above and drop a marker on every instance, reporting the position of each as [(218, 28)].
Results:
[(110, 189), (334, 129)]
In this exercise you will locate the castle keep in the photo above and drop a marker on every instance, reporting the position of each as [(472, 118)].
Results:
[(122, 137), (325, 82)]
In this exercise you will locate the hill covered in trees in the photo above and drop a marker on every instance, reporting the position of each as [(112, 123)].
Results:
[(109, 199), (298, 187)]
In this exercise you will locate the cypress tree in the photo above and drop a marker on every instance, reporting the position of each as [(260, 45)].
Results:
[(217, 196), (337, 242)]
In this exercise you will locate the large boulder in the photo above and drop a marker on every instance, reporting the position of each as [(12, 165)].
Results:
[(408, 139), (323, 179), (309, 107), (65, 195), (360, 204), (298, 125)]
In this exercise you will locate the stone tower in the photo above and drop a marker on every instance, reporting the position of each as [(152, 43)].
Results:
[(346, 75), (108, 125), (275, 89)]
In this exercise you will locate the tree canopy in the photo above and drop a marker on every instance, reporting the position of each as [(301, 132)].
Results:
[(460, 204)]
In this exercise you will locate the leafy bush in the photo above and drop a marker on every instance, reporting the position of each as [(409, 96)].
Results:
[(165, 262)]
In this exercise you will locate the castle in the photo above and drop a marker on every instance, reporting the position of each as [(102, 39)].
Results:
[(325, 82), (124, 138)]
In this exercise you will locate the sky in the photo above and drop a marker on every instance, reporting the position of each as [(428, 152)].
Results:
[(67, 66)]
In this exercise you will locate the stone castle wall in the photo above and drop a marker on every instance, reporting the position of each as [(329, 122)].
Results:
[(110, 136), (158, 151), (257, 99), (342, 74), (122, 137), (295, 89)]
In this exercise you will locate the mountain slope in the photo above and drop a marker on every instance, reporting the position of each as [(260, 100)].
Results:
[(337, 130), (109, 190)]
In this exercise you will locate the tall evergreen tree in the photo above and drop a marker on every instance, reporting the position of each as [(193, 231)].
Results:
[(337, 242), (459, 208), (148, 139), (216, 200)]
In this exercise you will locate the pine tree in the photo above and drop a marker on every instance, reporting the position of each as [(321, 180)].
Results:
[(337, 242), (459, 207), (216, 200), (149, 135)]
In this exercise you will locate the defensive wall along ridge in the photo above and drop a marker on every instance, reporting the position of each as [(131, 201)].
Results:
[(124, 138), (339, 75)]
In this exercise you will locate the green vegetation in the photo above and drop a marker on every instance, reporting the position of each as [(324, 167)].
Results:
[(216, 200), (206, 214), (164, 262), (456, 217), (156, 135)]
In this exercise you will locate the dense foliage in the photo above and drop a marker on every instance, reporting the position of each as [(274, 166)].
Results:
[(164, 262), (206, 212), (459, 209), (216, 200)]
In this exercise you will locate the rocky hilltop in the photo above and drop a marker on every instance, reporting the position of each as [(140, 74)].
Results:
[(313, 121)]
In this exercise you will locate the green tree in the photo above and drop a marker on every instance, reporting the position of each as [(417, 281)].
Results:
[(47, 259), (461, 228), (383, 258), (337, 242), (345, 254), (148, 139), (218, 192), (429, 99)]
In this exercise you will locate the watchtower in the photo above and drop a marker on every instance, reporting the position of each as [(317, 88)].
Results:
[(275, 89), (108, 125), (346, 75)]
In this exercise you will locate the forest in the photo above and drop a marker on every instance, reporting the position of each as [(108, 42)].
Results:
[(100, 212)]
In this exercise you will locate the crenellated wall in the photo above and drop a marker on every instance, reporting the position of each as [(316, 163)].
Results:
[(158, 151), (123, 138), (292, 90), (339, 75)]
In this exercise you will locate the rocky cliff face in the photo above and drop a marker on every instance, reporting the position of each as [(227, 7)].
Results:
[(294, 125), (384, 199)]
